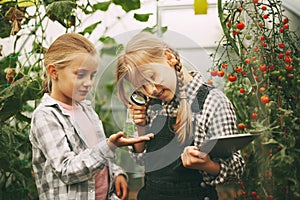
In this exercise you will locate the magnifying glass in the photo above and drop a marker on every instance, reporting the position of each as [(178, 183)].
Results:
[(138, 98)]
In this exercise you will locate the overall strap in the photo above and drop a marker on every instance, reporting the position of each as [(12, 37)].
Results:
[(202, 93), (196, 107)]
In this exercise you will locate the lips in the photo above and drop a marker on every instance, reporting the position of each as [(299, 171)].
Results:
[(83, 92)]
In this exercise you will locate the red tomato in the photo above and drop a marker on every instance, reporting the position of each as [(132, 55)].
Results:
[(210, 82), (264, 7), (241, 126), (254, 115), (235, 32), (253, 193), (221, 73), (242, 90), (265, 99), (270, 197), (281, 29), (214, 72), (240, 25), (232, 78), (285, 21), (263, 68), (281, 45), (289, 68), (224, 65), (262, 89), (288, 59), (238, 69), (280, 56), (264, 44)]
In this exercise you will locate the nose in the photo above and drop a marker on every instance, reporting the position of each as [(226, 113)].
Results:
[(151, 89), (87, 82)]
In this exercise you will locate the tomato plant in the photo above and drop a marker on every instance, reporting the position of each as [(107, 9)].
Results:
[(262, 55)]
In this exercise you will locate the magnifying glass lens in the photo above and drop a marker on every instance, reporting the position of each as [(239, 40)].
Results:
[(138, 98)]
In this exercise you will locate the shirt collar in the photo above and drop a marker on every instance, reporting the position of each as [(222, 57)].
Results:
[(47, 100)]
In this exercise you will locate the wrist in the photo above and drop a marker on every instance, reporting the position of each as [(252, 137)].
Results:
[(110, 144)]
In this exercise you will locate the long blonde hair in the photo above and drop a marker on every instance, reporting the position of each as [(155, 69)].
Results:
[(145, 48), (62, 51)]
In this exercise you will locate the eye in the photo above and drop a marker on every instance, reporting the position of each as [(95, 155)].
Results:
[(80, 75), (93, 75)]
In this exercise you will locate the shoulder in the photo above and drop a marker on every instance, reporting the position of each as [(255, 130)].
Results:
[(218, 96)]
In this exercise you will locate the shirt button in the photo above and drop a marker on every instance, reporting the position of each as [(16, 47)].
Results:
[(206, 198), (203, 184)]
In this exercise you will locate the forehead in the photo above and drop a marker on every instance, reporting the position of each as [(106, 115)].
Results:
[(146, 73), (85, 61)]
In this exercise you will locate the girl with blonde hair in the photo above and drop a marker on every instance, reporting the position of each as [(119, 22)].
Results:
[(182, 111), (71, 156)]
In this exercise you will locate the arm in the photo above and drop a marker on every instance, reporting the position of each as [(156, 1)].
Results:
[(221, 120), (138, 114), (63, 150), (119, 179)]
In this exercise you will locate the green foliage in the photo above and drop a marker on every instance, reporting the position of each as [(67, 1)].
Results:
[(128, 5), (90, 28), (61, 11), (260, 50), (142, 17)]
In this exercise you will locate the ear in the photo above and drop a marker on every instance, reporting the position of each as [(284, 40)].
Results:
[(171, 59), (52, 71)]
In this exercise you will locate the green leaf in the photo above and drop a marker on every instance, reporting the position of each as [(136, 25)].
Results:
[(154, 29), (142, 17), (110, 46), (103, 6), (5, 28), (90, 28), (60, 10), (128, 5)]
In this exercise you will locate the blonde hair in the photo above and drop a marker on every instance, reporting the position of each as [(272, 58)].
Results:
[(145, 48), (62, 51)]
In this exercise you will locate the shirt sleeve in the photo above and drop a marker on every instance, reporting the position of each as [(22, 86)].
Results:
[(138, 157), (223, 122), (51, 138)]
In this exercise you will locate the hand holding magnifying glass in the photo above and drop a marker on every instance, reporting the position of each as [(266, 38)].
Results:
[(136, 114)]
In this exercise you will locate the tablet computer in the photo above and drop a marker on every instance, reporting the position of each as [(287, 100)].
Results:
[(224, 146)]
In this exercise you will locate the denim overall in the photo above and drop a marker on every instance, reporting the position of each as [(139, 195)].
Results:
[(165, 176)]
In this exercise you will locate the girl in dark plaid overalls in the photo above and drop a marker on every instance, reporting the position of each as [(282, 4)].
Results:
[(181, 110)]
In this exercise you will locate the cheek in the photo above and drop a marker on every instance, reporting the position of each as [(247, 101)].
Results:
[(170, 81)]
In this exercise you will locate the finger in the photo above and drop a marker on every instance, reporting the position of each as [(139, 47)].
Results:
[(119, 135), (137, 107), (139, 122), (195, 153), (139, 116), (131, 141), (183, 159)]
